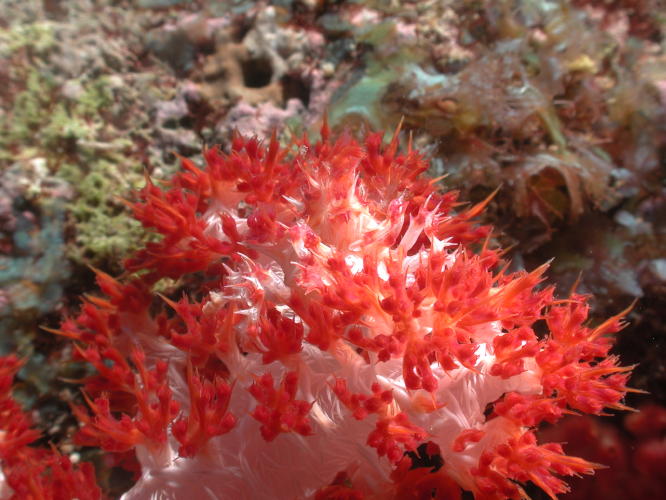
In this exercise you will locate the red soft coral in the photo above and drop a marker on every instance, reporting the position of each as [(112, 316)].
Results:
[(346, 304), (29, 472)]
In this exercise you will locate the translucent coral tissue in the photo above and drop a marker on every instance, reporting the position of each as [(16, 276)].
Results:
[(341, 320)]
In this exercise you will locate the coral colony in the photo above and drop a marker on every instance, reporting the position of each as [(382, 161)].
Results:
[(350, 324)]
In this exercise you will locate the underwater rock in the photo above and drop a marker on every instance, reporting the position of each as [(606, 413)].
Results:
[(33, 268)]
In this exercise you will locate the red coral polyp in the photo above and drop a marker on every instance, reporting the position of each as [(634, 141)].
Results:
[(29, 472), (344, 320)]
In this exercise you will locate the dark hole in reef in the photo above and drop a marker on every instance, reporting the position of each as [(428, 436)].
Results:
[(421, 458), (186, 121), (240, 29), (171, 123), (68, 145), (257, 72), (207, 47), (488, 410), (293, 87), (540, 328)]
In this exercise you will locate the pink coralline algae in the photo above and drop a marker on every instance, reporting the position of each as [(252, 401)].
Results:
[(346, 313)]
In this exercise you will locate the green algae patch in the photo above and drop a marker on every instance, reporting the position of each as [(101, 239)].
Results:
[(104, 231)]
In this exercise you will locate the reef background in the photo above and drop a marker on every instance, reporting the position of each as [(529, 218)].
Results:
[(560, 105)]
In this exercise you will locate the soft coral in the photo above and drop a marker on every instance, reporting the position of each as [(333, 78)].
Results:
[(351, 313), (31, 472)]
